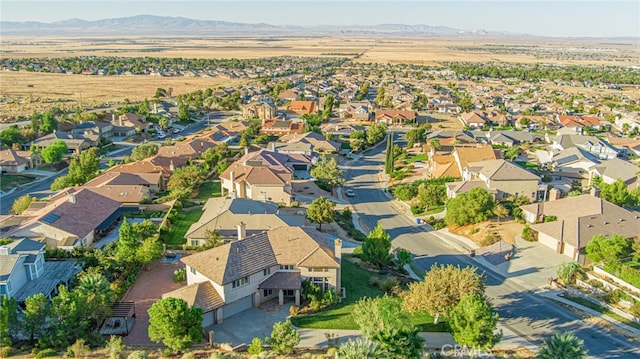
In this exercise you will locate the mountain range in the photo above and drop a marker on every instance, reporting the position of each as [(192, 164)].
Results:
[(166, 25)]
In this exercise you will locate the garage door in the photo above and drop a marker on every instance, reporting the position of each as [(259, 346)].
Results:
[(208, 318), (548, 241), (236, 307)]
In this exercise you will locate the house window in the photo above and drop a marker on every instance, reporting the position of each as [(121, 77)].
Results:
[(194, 242), (267, 292), (318, 269), (240, 282), (322, 282), (193, 271), (266, 272), (286, 267), (3, 289)]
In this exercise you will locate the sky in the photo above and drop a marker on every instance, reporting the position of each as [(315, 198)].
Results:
[(568, 18)]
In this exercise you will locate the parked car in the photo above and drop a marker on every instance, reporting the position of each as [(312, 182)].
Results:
[(350, 193)]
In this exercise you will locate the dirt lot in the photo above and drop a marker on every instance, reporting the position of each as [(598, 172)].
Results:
[(505, 230)]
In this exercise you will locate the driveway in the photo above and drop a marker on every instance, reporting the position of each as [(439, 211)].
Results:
[(252, 323), (149, 287)]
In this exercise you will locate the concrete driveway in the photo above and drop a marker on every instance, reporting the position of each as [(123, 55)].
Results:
[(253, 323)]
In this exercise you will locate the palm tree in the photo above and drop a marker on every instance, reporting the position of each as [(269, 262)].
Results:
[(435, 144), (569, 271), (562, 346)]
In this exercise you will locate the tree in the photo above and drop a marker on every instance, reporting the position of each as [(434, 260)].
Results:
[(212, 239), (283, 338), (81, 169), (500, 211), (328, 172), (375, 248), (471, 207), (10, 136), (562, 346), (359, 348), (184, 180), (97, 296), (442, 289), (608, 250), (399, 342), (175, 324), (8, 319), (48, 123), (474, 322), (131, 238), (357, 140), (373, 315), (183, 112), (389, 160), (615, 193), (569, 271), (435, 144), (35, 313), (432, 194), (22, 203), (416, 135), (115, 347), (54, 152), (143, 151), (403, 257), (512, 153), (321, 210), (376, 132), (150, 249)]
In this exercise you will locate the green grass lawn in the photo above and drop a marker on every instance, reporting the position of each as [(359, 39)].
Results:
[(528, 165), (355, 280), (422, 157), (208, 190), (8, 181), (182, 223)]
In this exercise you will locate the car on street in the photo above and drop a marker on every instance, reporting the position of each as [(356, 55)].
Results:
[(350, 193)]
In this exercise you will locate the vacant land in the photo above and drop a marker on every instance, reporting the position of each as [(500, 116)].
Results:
[(22, 93)]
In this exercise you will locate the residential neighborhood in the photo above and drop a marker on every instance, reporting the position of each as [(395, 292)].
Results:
[(403, 207)]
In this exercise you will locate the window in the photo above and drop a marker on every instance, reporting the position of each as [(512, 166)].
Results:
[(267, 292), (266, 272), (194, 242), (286, 267), (240, 282), (3, 289), (193, 271), (318, 269)]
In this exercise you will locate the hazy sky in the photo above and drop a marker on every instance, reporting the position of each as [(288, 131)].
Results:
[(548, 18)]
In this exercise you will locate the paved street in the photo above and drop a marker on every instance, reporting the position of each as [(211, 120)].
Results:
[(520, 308)]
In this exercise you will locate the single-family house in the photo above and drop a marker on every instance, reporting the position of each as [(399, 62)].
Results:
[(616, 169), (394, 117), (500, 177), (24, 271), (318, 142), (578, 123), (302, 108), (280, 127), (229, 279), (592, 144), (225, 215), (75, 143), (262, 110), (12, 161), (577, 220)]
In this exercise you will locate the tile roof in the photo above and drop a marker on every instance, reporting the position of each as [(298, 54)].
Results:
[(501, 170), (201, 295), (466, 154), (303, 107), (578, 121), (123, 193), (284, 245)]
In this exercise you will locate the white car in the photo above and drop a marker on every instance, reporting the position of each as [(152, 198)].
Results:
[(350, 193)]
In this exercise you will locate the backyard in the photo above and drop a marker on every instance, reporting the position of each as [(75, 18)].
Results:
[(180, 225), (355, 280), (207, 190)]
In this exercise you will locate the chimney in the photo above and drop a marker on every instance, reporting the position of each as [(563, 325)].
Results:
[(171, 166), (242, 231), (232, 178), (337, 245), (72, 198), (246, 150), (120, 118)]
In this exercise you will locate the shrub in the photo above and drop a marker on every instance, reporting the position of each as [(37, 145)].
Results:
[(256, 346), (78, 349), (138, 354), (346, 213), (635, 309), (6, 352), (529, 234), (188, 355), (474, 230), (375, 281), (630, 275), (330, 297), (180, 275), (115, 347), (613, 297), (415, 209), (357, 251), (333, 340), (294, 310), (595, 283), (283, 338), (391, 285), (46, 353), (550, 219)]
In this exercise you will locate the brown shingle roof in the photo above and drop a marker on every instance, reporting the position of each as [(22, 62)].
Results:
[(282, 280), (473, 154), (501, 170), (11, 158)]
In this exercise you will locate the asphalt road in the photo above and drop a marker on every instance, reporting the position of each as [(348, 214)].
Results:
[(529, 315)]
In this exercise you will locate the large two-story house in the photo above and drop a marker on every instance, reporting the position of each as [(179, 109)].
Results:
[(239, 275)]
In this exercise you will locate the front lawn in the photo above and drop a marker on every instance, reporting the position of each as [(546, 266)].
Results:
[(416, 158), (355, 280), (8, 181), (181, 224)]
